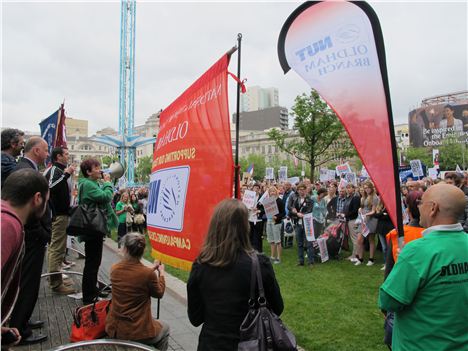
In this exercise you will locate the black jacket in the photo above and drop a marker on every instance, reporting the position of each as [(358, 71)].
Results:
[(36, 229), (295, 202), (8, 166), (352, 207), (59, 191), (218, 299)]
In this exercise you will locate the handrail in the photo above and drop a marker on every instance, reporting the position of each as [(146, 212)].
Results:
[(114, 342)]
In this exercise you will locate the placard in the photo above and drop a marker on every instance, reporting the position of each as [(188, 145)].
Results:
[(269, 173), (283, 174), (250, 198), (343, 168), (309, 227), (294, 180), (322, 244), (351, 178), (270, 206), (432, 172), (416, 168), (324, 175)]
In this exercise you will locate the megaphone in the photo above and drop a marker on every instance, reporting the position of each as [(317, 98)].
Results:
[(115, 170)]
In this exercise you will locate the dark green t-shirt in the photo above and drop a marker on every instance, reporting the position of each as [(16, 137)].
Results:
[(430, 279)]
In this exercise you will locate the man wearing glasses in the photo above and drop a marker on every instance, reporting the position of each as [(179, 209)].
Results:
[(428, 286)]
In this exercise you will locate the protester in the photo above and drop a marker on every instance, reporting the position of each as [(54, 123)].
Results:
[(319, 211), (58, 176), (384, 226), (427, 287), (12, 145), (37, 235), (287, 196), (273, 227), (351, 211), (331, 200), (24, 197), (122, 210), (299, 206), (218, 288), (456, 179), (95, 193), (256, 221), (368, 207), (133, 286)]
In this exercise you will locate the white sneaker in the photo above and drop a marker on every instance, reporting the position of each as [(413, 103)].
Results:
[(357, 263), (353, 259), (383, 268), (370, 263)]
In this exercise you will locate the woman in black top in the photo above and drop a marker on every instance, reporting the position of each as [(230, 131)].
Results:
[(218, 288)]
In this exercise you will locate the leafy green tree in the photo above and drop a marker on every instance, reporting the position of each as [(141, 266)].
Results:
[(259, 165), (419, 153), (322, 137), (107, 160), (452, 154), (143, 169)]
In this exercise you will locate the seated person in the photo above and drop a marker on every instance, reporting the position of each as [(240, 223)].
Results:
[(133, 285)]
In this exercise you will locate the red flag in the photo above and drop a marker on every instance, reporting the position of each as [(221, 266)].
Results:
[(61, 135), (337, 47), (192, 168)]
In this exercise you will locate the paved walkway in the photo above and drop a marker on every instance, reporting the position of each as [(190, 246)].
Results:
[(173, 306)]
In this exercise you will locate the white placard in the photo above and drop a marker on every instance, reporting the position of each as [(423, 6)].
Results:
[(263, 197), (416, 168), (269, 173), (270, 206), (331, 174), (364, 172), (250, 198), (351, 178), (294, 180), (323, 175), (322, 244), (432, 172), (363, 226), (283, 173), (309, 227), (343, 168)]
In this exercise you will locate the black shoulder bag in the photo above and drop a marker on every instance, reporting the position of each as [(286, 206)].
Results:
[(262, 329), (87, 220)]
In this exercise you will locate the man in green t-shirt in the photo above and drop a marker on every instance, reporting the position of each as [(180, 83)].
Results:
[(428, 287)]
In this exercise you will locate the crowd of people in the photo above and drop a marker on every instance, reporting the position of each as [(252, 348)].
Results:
[(35, 210)]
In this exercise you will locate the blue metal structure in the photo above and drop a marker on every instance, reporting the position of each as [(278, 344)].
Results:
[(126, 142)]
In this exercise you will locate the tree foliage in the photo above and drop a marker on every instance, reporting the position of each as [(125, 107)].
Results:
[(322, 136), (419, 153), (143, 169), (452, 154)]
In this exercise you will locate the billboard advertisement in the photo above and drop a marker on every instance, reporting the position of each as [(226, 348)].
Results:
[(432, 126)]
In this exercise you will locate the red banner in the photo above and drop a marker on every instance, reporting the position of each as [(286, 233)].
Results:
[(192, 168), (337, 47)]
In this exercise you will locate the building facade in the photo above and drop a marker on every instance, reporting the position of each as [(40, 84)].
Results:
[(257, 98), (272, 117)]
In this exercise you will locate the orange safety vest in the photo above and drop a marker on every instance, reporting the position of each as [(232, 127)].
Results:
[(410, 234)]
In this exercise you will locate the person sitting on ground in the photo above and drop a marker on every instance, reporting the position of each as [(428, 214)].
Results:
[(133, 285), (218, 289)]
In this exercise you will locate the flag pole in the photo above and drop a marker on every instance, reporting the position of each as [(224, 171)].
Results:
[(236, 167)]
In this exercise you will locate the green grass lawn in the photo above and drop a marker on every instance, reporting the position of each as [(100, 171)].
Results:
[(330, 306)]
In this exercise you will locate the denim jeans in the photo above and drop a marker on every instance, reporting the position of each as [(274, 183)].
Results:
[(300, 239)]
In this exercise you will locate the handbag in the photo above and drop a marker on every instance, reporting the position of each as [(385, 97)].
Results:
[(89, 322), (139, 219), (262, 329), (129, 219), (87, 220)]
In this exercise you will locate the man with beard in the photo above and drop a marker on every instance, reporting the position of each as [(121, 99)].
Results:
[(37, 235), (24, 197), (12, 144)]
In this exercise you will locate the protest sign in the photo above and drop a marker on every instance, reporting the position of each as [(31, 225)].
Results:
[(283, 173), (294, 180), (364, 173), (351, 178), (264, 197), (250, 198), (322, 244), (270, 206), (246, 177), (309, 227), (331, 174), (269, 173), (323, 175), (432, 172), (362, 228), (416, 168), (343, 183), (435, 158), (343, 168)]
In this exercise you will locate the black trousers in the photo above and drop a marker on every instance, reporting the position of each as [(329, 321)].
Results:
[(93, 252), (256, 232), (30, 283)]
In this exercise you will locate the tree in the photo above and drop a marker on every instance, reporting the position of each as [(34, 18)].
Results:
[(143, 169), (322, 137), (258, 162), (452, 153), (107, 160), (419, 153)]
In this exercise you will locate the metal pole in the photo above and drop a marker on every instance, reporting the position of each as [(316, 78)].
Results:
[(236, 169)]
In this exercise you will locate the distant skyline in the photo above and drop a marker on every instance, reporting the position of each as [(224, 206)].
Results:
[(70, 50)]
